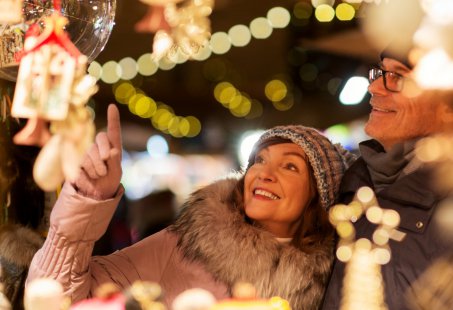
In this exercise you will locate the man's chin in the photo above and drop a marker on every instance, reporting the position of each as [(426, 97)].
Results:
[(369, 128)]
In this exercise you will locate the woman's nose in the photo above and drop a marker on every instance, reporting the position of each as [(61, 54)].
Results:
[(266, 174)]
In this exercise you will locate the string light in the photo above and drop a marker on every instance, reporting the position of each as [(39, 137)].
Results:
[(239, 103), (220, 43), (162, 116)]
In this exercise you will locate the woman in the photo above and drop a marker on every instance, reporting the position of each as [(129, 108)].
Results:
[(268, 227)]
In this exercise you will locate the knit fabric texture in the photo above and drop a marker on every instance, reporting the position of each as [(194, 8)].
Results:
[(329, 161)]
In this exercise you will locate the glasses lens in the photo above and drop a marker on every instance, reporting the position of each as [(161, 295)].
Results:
[(393, 81)]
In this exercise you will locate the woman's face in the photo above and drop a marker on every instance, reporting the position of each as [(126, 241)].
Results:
[(277, 188)]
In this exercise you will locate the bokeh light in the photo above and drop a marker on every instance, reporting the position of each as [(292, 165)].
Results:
[(260, 28), (95, 70), (333, 85), (123, 92), (111, 72), (354, 91), (224, 92), (302, 10), (285, 104), (345, 11), (203, 54), (240, 35), (145, 107), (146, 65), (256, 110), (220, 43), (157, 146), (324, 13), (275, 90), (166, 64), (243, 108), (128, 68), (278, 17), (195, 126)]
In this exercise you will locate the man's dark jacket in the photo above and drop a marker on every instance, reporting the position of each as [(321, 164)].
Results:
[(413, 197)]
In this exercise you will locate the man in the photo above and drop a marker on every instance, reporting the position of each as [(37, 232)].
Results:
[(388, 165)]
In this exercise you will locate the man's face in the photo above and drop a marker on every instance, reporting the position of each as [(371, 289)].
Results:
[(396, 117)]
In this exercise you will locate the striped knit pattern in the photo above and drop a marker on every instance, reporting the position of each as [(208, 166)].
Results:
[(329, 161)]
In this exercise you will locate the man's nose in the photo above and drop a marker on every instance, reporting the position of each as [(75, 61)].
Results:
[(377, 87)]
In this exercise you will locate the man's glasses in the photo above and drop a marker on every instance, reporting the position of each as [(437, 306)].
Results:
[(393, 81)]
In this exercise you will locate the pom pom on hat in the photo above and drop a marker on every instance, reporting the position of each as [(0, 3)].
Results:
[(329, 161)]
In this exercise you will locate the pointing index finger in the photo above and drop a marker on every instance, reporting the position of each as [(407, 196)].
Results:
[(114, 126)]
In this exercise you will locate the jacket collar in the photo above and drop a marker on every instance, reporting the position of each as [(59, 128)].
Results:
[(415, 189)]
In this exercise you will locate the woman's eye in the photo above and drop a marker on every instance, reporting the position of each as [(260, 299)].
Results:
[(292, 167), (259, 159)]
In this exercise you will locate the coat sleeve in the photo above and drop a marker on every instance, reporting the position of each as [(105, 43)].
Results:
[(76, 222)]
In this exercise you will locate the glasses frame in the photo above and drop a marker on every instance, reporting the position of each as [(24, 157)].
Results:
[(375, 73)]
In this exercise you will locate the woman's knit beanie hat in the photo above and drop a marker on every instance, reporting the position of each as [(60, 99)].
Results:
[(328, 161)]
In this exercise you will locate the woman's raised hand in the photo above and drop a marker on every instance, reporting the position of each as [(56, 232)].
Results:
[(101, 172)]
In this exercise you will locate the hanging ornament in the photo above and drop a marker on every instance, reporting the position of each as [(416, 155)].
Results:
[(178, 25), (53, 89), (10, 11)]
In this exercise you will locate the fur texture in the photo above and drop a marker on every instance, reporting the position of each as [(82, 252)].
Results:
[(214, 232), (18, 245)]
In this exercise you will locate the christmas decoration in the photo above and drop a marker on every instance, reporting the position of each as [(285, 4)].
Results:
[(178, 25), (52, 87)]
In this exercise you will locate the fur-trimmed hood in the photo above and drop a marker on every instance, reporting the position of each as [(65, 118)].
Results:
[(211, 230)]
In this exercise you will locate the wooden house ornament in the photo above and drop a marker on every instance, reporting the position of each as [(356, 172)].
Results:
[(45, 78)]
